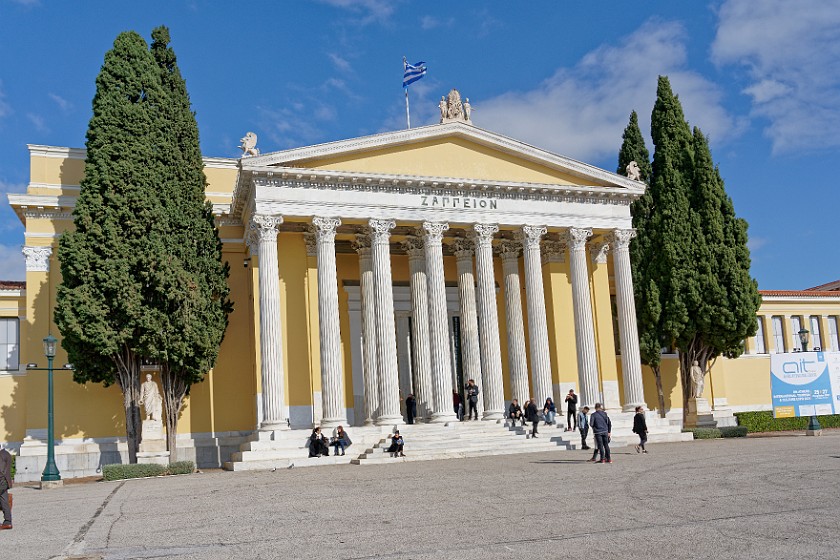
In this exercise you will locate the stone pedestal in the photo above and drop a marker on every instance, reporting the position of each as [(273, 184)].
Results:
[(699, 414), (153, 444)]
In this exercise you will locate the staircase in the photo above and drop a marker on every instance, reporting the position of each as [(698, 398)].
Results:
[(660, 430)]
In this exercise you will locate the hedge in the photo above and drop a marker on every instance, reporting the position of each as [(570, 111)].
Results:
[(763, 421), (714, 433), (122, 472)]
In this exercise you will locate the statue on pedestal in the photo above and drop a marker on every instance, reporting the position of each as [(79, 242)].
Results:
[(249, 145), (452, 109), (698, 380), (151, 399), (633, 172)]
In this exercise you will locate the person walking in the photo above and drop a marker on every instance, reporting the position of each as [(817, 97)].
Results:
[(472, 399), (532, 416), (549, 411), (5, 484), (640, 428), (571, 410), (583, 426), (410, 408), (602, 429)]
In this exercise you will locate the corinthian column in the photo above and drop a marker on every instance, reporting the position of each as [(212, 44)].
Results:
[(582, 306), (463, 249), (367, 290), (628, 332), (438, 324), (488, 321), (537, 323), (332, 382), (263, 231), (420, 354), (517, 358), (386, 338)]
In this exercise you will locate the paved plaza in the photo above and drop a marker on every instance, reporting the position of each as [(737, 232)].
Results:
[(774, 497)]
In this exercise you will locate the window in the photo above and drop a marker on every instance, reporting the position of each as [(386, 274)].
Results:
[(795, 327), (816, 337), (9, 344), (778, 335), (759, 337), (832, 334)]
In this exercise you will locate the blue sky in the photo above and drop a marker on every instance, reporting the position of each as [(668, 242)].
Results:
[(762, 78)]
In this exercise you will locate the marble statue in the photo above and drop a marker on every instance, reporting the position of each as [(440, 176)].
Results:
[(151, 399), (454, 108), (442, 107), (467, 109), (633, 172), (697, 380), (249, 145)]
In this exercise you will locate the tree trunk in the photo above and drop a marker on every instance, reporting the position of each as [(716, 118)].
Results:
[(697, 351), (128, 378), (174, 391), (657, 373)]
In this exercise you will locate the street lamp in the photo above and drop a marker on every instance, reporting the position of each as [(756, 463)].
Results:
[(50, 473), (813, 423)]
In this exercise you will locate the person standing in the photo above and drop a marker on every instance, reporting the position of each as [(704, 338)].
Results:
[(601, 428), (532, 416), (472, 399), (410, 408), (549, 411), (571, 410), (583, 426), (5, 484), (640, 428)]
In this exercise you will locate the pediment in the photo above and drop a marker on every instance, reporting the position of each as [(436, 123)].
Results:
[(447, 151)]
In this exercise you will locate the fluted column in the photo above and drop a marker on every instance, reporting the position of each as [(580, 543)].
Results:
[(332, 379), (582, 308), (420, 353), (488, 321), (438, 324), (470, 352), (517, 358), (367, 291), (263, 230), (386, 338), (537, 322), (628, 332)]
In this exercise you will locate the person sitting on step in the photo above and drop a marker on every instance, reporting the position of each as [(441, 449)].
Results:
[(318, 444), (515, 413), (340, 441), (549, 410), (397, 443)]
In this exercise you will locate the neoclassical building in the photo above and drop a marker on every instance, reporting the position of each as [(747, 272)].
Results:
[(368, 269)]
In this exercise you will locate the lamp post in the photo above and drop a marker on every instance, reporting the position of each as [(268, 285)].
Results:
[(813, 423), (50, 473)]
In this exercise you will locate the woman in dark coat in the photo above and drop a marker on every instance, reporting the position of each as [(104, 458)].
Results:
[(640, 428), (318, 444), (532, 416), (397, 443)]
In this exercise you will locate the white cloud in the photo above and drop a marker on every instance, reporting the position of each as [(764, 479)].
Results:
[(791, 52), (13, 264), (431, 22), (62, 103), (581, 111), (756, 243), (371, 11), (38, 122), (340, 63), (7, 187)]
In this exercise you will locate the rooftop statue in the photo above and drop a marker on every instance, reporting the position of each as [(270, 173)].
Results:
[(452, 109), (249, 145), (633, 172)]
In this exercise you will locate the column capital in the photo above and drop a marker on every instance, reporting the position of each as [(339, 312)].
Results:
[(414, 247), (37, 258), (484, 233), (554, 251), (463, 248), (264, 227), (620, 238), (381, 229), (361, 244), (434, 231), (325, 227), (530, 236), (577, 238), (508, 250), (599, 251)]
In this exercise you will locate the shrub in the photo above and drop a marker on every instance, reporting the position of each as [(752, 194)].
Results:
[(704, 433), (733, 431), (122, 472), (763, 421)]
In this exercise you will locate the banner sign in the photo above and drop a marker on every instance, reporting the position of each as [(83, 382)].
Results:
[(805, 383)]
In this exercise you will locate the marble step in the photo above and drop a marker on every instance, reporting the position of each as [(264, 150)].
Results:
[(385, 458), (286, 463)]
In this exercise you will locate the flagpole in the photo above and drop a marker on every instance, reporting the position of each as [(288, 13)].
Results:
[(407, 114)]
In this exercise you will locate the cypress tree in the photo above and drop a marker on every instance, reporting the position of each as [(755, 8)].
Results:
[(633, 149), (105, 265), (192, 302)]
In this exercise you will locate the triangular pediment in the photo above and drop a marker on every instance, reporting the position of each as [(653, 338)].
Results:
[(447, 151)]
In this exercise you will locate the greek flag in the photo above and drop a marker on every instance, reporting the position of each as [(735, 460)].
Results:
[(413, 72)]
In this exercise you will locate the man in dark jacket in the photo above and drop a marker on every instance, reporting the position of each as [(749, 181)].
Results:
[(472, 399), (601, 428), (515, 413), (5, 484), (532, 416)]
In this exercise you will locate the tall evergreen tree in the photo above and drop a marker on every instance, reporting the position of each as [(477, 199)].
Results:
[(105, 267), (648, 307), (192, 301)]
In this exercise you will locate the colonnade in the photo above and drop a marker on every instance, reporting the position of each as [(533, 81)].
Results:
[(430, 331)]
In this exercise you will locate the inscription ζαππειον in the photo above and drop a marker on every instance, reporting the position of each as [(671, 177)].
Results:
[(466, 202)]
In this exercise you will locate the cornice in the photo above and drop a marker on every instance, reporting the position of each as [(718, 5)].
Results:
[(42, 206), (80, 153)]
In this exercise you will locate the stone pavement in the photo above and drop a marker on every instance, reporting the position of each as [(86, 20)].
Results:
[(755, 498)]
